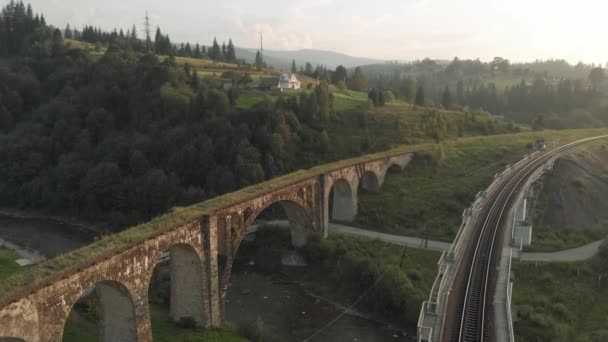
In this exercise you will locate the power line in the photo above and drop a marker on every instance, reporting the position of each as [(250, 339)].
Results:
[(354, 304)]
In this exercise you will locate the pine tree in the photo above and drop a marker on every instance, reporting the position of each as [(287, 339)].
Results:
[(294, 68), (197, 51), (57, 42), (68, 32), (446, 98), (224, 52), (188, 50), (308, 69), (231, 52), (358, 82), (216, 52), (158, 41), (133, 34), (194, 80), (30, 12), (460, 92), (259, 63), (419, 97)]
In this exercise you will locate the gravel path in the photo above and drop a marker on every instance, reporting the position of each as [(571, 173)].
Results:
[(575, 254), (335, 228), (397, 239)]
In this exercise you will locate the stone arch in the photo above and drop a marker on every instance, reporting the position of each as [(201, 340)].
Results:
[(117, 319), (393, 168), (344, 201), (370, 182), (186, 283), (300, 220), (300, 224)]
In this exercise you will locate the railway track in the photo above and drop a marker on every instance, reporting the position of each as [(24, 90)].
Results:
[(473, 315)]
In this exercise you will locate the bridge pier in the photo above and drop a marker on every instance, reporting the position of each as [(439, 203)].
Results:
[(117, 315)]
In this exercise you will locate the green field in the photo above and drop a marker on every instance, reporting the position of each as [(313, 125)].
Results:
[(8, 265), (561, 301), (349, 99), (429, 197)]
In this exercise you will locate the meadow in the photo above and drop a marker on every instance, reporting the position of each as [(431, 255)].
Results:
[(561, 301), (428, 198)]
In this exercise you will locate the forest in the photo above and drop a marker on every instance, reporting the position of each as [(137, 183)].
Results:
[(127, 135), (560, 94)]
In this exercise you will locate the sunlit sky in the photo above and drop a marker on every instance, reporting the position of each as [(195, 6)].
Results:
[(521, 30)]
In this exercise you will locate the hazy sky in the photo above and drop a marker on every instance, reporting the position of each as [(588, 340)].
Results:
[(520, 30)]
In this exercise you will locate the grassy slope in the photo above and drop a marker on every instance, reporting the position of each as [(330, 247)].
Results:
[(8, 265), (435, 196), (341, 268), (560, 301), (338, 277), (162, 330), (547, 238)]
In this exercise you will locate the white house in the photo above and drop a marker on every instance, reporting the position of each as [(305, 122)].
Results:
[(288, 82)]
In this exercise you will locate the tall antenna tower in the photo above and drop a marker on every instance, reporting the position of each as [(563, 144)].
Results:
[(148, 32), (262, 46)]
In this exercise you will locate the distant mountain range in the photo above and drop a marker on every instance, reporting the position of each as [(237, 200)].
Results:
[(281, 59)]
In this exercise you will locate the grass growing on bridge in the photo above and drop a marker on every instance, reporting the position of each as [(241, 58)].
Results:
[(561, 301), (23, 282), (8, 265)]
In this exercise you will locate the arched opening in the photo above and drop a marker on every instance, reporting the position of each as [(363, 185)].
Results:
[(175, 292), (257, 290), (11, 339), (104, 312), (369, 183), (342, 203), (393, 169)]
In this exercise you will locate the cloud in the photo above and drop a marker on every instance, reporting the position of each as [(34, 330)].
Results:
[(288, 32)]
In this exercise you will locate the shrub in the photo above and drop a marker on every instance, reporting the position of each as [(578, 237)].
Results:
[(254, 331), (315, 251), (186, 323)]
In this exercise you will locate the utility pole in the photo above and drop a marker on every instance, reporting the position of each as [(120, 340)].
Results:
[(148, 32)]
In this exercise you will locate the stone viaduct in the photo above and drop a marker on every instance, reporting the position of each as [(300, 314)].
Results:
[(202, 241)]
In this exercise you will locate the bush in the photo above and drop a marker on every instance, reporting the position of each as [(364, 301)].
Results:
[(186, 323), (254, 331), (315, 251)]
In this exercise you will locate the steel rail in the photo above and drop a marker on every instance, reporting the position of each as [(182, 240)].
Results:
[(473, 315)]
